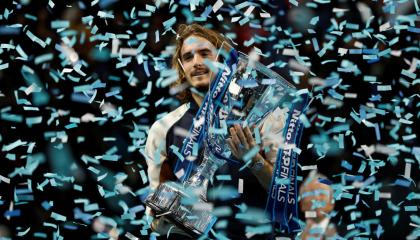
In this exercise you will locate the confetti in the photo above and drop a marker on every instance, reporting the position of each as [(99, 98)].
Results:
[(82, 83)]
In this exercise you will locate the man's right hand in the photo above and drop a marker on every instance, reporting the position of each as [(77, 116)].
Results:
[(162, 226)]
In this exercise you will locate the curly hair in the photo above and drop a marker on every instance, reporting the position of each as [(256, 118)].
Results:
[(185, 31)]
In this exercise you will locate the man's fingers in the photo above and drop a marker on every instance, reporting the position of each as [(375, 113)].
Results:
[(232, 147), (241, 136), (250, 138), (235, 138)]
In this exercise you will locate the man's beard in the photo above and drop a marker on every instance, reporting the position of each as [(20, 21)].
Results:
[(202, 89)]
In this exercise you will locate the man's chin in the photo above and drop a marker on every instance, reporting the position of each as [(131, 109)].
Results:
[(202, 89), (202, 83), (201, 86)]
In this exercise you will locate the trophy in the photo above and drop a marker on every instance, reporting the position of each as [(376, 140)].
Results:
[(177, 202), (253, 92)]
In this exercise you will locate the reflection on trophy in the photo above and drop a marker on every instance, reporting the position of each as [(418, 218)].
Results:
[(254, 91), (178, 203)]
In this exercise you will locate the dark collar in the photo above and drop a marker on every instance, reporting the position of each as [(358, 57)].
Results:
[(193, 105)]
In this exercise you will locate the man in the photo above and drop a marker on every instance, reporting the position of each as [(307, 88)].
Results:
[(317, 201), (196, 49)]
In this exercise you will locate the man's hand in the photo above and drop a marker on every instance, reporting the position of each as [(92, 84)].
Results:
[(162, 226), (241, 141)]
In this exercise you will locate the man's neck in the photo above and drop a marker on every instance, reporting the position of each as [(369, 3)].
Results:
[(197, 98)]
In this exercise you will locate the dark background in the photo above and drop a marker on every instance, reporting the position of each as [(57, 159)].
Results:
[(49, 173)]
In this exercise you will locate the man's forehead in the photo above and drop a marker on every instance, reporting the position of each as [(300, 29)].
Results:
[(313, 185), (195, 42)]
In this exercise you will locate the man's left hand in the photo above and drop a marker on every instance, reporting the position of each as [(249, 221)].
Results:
[(241, 141)]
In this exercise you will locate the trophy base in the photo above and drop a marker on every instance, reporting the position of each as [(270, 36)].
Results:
[(166, 201)]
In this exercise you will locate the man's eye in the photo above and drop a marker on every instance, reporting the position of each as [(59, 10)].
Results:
[(205, 54)]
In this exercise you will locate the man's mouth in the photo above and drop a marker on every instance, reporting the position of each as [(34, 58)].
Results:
[(199, 73)]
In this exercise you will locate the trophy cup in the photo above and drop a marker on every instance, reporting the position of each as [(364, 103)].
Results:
[(253, 92), (256, 91)]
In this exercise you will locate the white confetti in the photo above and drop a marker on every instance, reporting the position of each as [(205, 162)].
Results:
[(407, 170), (240, 185), (180, 173), (309, 167), (385, 195), (115, 45), (310, 214), (217, 5), (249, 11), (4, 179)]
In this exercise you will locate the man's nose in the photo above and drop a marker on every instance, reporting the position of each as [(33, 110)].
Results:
[(197, 60)]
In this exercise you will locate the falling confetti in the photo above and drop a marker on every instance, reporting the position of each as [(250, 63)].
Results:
[(81, 83)]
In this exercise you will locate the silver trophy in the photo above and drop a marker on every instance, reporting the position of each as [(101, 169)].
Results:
[(253, 92), (178, 202)]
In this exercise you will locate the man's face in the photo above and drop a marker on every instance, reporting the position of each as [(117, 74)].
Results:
[(194, 51), (317, 197)]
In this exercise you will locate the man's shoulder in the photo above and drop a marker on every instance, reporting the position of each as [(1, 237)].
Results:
[(169, 119)]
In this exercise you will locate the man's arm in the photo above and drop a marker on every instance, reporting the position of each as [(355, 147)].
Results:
[(264, 174), (155, 154), (159, 171)]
